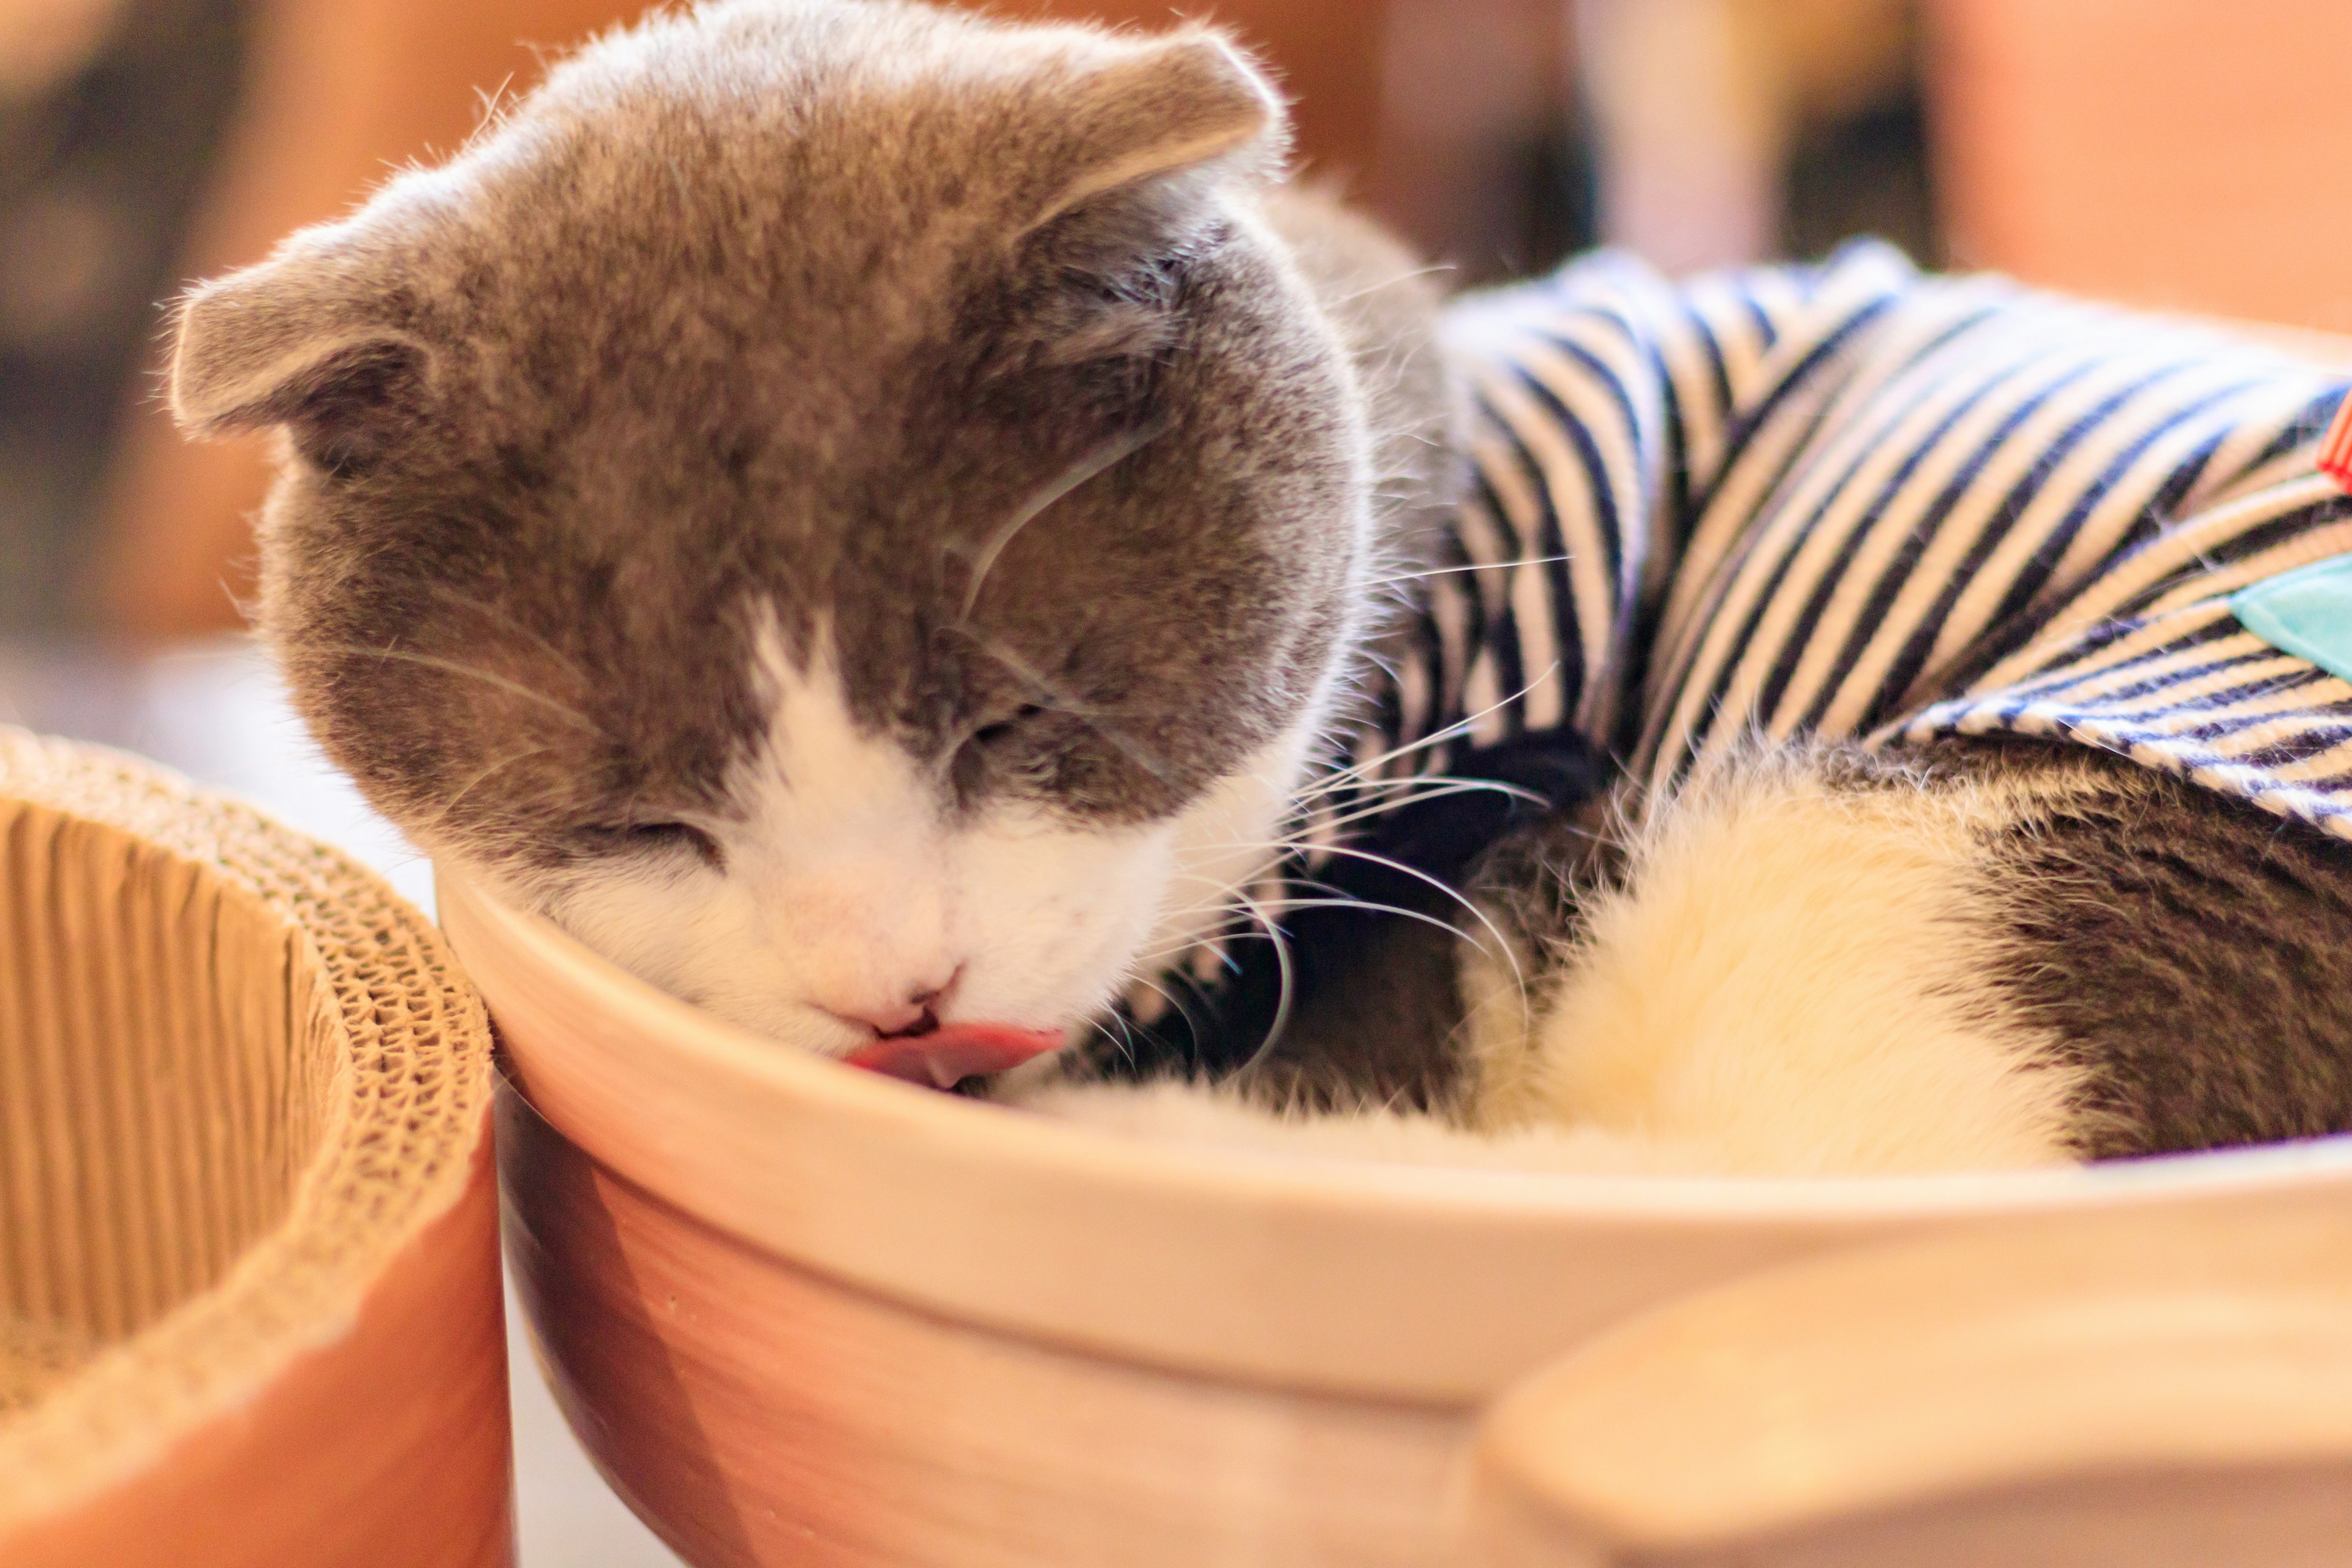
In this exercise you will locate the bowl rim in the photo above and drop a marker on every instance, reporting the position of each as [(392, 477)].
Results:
[(664, 1025), (1431, 1286)]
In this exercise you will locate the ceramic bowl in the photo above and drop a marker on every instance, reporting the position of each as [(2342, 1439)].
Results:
[(803, 1314), (249, 1309), (2156, 1391)]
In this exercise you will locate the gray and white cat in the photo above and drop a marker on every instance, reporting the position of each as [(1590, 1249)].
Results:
[(867, 516)]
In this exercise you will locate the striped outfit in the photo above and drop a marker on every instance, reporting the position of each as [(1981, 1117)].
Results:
[(1854, 500)]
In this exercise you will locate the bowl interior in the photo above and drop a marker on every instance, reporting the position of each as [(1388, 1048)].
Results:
[(161, 1094), (243, 1111)]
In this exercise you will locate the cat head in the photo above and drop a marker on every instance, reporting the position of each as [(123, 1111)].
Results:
[(846, 508)]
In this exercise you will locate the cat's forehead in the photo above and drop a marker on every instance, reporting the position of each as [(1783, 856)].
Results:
[(711, 250), (845, 161), (780, 225)]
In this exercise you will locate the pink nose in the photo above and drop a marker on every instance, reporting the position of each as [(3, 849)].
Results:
[(918, 1015), (897, 1020)]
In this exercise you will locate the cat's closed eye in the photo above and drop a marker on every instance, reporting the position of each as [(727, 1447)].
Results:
[(1009, 745), (657, 838), (997, 732)]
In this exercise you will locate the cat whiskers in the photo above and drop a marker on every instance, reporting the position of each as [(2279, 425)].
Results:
[(1472, 567), (1369, 907), (451, 666), (1273, 1031), (1175, 1002), (1153, 986), (450, 804), (1355, 776), (1221, 901), (505, 622), (1414, 792), (1107, 456), (1061, 701), (1501, 944), (1262, 912), (1124, 1047), (1401, 793)]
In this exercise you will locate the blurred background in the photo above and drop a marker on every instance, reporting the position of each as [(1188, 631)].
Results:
[(2187, 154)]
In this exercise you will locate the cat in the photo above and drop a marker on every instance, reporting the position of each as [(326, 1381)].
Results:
[(902, 530)]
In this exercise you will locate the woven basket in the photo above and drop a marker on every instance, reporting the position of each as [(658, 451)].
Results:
[(250, 1306)]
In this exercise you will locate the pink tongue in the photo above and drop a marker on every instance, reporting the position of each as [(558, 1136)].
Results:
[(948, 1054)]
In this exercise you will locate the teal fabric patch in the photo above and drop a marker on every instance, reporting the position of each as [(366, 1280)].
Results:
[(2306, 612)]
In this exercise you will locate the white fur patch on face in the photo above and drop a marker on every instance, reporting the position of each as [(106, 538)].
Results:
[(848, 889), (1225, 839)]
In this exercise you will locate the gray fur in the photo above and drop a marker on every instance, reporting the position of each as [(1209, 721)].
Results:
[(787, 306), (2186, 950)]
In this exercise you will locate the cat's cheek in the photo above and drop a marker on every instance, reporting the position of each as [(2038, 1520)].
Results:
[(1049, 914), (1055, 917), (1226, 840), (701, 936), (658, 921)]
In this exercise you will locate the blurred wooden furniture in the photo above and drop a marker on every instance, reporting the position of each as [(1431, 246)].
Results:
[(2149, 1392), (2181, 154), (40, 40), (339, 93), (1697, 106)]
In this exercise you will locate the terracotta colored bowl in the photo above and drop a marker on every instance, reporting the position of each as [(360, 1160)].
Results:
[(249, 1309), (803, 1314)]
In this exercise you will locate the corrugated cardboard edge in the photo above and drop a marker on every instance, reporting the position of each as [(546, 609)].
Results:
[(402, 1145)]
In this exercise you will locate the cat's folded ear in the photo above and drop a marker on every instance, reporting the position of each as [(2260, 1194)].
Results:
[(1146, 130), (303, 340)]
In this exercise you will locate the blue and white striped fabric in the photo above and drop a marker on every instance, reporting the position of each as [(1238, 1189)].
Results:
[(1846, 500), (1854, 500)]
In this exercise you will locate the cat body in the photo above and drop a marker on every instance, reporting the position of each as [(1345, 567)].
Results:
[(894, 528)]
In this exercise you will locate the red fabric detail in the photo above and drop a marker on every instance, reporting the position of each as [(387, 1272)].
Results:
[(2335, 452)]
